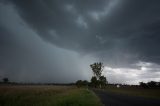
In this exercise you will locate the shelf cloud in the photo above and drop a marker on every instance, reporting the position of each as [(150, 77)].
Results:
[(56, 41)]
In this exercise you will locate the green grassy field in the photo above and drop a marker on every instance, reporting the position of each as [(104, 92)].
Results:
[(47, 96), (149, 93)]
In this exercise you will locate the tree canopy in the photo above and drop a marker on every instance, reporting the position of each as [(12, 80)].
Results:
[(97, 69), (98, 80)]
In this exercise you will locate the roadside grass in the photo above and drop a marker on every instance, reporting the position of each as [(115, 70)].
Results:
[(149, 93), (47, 96)]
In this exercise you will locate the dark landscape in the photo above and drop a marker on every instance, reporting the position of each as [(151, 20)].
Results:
[(79, 52)]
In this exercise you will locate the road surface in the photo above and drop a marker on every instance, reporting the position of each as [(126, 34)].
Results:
[(113, 99)]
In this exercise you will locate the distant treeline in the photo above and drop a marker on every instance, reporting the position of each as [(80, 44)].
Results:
[(19, 83), (7, 82), (85, 83), (151, 84)]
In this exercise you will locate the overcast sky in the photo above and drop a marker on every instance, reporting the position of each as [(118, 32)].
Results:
[(57, 40)]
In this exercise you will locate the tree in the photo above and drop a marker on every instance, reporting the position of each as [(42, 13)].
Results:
[(142, 84), (81, 83), (97, 69), (98, 80), (5, 80), (103, 81), (85, 83), (152, 84), (94, 81)]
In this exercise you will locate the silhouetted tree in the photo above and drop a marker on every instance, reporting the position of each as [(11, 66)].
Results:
[(94, 81), (158, 84), (142, 84), (5, 80), (81, 83), (97, 69), (85, 83), (102, 81), (98, 80), (152, 84)]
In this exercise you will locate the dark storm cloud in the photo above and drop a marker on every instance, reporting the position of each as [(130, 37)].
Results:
[(118, 32), (25, 57), (49, 16), (122, 26)]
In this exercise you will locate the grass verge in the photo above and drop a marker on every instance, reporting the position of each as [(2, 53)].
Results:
[(47, 96)]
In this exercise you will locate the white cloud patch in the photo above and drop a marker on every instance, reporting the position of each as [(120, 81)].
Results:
[(145, 73), (148, 66)]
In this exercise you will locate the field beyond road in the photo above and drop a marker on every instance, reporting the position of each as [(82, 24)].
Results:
[(135, 91), (47, 96)]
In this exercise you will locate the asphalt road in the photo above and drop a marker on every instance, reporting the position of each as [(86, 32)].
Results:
[(113, 99)]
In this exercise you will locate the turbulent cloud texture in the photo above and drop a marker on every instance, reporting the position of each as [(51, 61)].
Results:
[(57, 40)]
